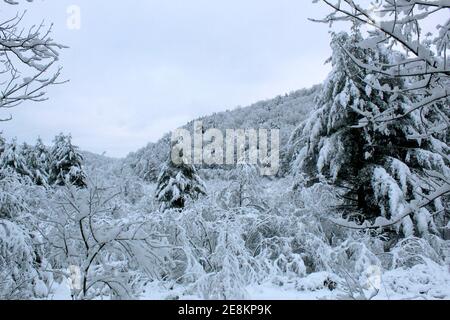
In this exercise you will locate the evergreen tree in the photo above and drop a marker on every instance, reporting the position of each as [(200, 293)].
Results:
[(38, 162), (177, 184), (66, 163), (25, 150), (12, 157), (381, 168)]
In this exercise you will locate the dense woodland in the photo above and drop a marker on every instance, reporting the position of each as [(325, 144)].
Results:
[(358, 210)]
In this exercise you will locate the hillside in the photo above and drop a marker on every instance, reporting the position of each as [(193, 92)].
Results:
[(283, 112)]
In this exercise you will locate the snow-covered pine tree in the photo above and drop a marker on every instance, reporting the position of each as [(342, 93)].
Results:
[(383, 172), (38, 162), (13, 158), (66, 163), (177, 184)]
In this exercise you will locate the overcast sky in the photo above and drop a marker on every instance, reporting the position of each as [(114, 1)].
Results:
[(139, 69)]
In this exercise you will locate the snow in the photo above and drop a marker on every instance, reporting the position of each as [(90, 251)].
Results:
[(60, 290), (358, 210), (422, 282), (274, 245), (271, 292)]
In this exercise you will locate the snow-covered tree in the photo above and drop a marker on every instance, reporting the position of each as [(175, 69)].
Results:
[(21, 257), (28, 56), (17, 257), (231, 262), (177, 184), (38, 163), (417, 35), (420, 33), (146, 163), (385, 174), (13, 158), (244, 189), (27, 161), (66, 163), (86, 230), (11, 194)]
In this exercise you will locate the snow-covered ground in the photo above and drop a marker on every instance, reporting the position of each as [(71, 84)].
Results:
[(422, 282)]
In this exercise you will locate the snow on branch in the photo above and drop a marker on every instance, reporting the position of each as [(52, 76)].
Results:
[(383, 223), (15, 2), (27, 61), (420, 58)]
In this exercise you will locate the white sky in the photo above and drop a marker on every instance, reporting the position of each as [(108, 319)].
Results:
[(140, 68)]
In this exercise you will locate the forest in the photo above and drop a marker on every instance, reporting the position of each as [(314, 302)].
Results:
[(359, 208)]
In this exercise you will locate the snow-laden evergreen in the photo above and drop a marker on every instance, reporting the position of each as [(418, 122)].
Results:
[(380, 170), (66, 163), (38, 161), (13, 157), (178, 184)]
